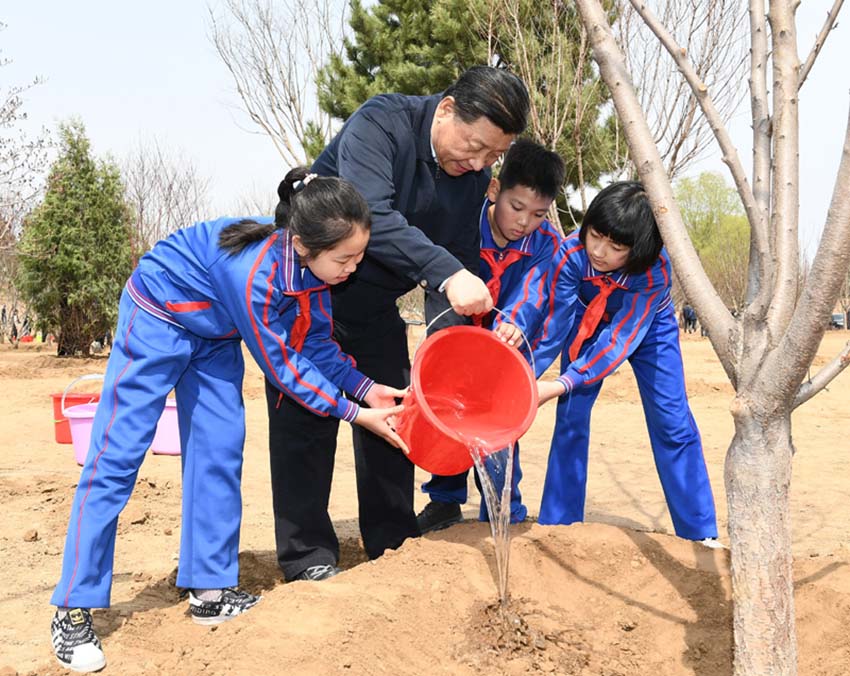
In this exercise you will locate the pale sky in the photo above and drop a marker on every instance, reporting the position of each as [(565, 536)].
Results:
[(148, 70)]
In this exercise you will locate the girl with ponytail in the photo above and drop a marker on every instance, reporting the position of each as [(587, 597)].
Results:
[(186, 309)]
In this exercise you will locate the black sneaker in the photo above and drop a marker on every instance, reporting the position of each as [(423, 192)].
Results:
[(231, 603), (317, 573), (75, 644), (438, 515)]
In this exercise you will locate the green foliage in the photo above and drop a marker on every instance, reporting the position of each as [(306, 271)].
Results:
[(404, 46), (705, 201), (313, 141), (74, 251), (714, 216)]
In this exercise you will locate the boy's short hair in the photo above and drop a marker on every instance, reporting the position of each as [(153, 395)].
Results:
[(621, 211), (530, 164)]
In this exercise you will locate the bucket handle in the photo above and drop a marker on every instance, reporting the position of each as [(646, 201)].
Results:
[(88, 376), (504, 314)]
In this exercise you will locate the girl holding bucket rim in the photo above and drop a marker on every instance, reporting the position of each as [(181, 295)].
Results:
[(182, 314), (610, 299)]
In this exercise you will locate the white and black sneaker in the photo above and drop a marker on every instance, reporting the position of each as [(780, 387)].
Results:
[(229, 604), (75, 644)]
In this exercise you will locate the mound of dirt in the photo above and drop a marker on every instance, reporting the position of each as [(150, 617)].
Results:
[(584, 599), (614, 597)]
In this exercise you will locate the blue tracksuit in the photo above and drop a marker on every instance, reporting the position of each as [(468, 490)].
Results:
[(639, 324), (180, 321), (524, 268)]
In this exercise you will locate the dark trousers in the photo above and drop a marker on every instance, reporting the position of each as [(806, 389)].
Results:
[(302, 447)]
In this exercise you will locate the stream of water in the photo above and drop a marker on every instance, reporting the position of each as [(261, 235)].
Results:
[(494, 473)]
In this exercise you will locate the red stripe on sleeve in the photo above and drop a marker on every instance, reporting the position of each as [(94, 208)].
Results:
[(270, 289)]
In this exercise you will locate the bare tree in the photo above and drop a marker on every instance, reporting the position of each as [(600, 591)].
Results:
[(712, 34), (767, 351), (166, 192), (23, 159), (546, 47), (272, 51), (255, 203)]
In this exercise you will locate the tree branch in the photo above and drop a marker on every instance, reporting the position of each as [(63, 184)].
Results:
[(794, 354), (757, 218), (785, 210), (823, 377), (645, 156), (828, 25)]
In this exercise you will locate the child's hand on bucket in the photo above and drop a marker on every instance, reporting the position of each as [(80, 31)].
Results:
[(508, 333), (381, 421), (384, 396)]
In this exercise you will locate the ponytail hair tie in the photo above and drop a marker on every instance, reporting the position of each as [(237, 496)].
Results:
[(299, 185)]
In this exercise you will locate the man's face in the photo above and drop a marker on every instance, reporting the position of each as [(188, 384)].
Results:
[(462, 146)]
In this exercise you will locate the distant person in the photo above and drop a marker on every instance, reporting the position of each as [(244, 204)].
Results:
[(611, 302), (517, 248), (3, 316), (422, 163), (13, 333), (690, 319), (180, 320)]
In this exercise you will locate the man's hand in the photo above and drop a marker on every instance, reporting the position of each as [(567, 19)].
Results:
[(508, 333), (468, 294)]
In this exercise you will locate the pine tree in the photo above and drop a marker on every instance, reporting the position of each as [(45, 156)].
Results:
[(403, 46), (75, 253)]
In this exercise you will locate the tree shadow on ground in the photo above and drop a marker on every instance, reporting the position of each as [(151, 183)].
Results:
[(706, 659)]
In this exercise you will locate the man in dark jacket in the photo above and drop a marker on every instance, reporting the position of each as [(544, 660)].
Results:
[(422, 163)]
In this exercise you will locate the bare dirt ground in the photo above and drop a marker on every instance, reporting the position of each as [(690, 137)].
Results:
[(617, 596)]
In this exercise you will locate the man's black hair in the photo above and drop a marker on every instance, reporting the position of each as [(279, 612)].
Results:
[(494, 93)]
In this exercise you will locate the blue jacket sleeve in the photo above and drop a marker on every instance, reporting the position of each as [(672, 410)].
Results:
[(366, 155), (622, 336), (559, 304), (524, 304), (321, 349), (245, 285)]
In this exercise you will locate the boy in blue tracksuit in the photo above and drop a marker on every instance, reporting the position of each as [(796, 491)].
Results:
[(517, 248), (181, 317), (609, 300)]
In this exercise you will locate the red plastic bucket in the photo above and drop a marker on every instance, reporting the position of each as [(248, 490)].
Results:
[(467, 387)]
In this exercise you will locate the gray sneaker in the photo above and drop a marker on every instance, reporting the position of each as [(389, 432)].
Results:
[(231, 603), (318, 573)]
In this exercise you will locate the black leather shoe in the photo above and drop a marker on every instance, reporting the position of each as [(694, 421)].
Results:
[(317, 573), (438, 515)]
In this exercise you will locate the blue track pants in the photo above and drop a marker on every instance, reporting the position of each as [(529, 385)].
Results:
[(149, 358), (675, 440)]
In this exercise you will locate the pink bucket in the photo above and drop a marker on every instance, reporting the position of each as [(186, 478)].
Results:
[(166, 440), (80, 419)]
